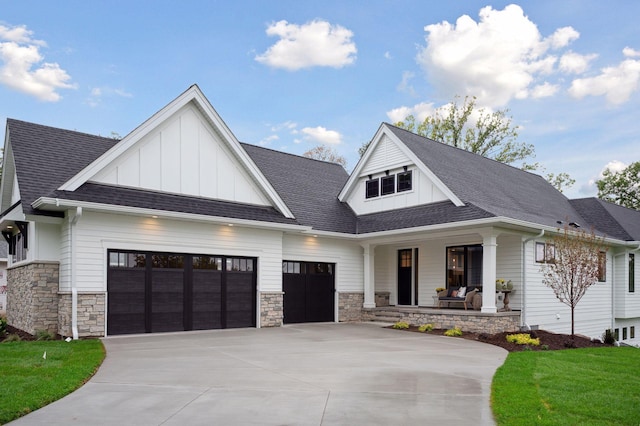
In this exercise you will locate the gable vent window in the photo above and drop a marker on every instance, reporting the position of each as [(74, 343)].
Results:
[(373, 188), (404, 181), (388, 185)]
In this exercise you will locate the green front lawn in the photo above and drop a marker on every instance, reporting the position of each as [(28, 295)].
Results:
[(594, 386), (28, 381)]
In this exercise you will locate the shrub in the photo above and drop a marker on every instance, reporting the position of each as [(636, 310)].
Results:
[(401, 325), (12, 338), (3, 326), (425, 327), (523, 339), (453, 332), (544, 347), (44, 335), (608, 337)]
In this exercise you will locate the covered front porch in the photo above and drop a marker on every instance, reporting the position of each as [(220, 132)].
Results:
[(410, 270)]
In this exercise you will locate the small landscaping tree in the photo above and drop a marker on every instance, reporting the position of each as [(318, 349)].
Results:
[(576, 263)]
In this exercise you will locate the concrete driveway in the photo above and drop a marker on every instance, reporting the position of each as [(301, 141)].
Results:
[(310, 374)]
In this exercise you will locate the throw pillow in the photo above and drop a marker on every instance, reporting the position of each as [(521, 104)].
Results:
[(454, 293), (462, 291)]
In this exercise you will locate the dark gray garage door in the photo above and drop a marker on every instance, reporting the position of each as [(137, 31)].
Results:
[(155, 292), (309, 289)]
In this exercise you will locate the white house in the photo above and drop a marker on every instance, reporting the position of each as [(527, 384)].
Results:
[(179, 226)]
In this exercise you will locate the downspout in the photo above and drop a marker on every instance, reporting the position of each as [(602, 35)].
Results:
[(523, 297), (74, 284)]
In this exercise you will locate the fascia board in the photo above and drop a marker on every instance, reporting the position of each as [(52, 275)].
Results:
[(192, 94), (62, 204)]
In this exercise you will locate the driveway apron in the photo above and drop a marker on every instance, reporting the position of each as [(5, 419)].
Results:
[(306, 374)]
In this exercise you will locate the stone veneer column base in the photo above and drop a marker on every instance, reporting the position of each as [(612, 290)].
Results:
[(350, 306), (32, 299), (271, 308), (91, 314)]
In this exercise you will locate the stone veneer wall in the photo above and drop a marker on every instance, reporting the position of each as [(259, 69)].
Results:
[(471, 321), (91, 314), (32, 296), (271, 309), (350, 306)]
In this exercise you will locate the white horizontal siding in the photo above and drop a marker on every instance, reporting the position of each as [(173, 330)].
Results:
[(95, 233), (543, 309), (347, 256), (627, 303), (184, 156)]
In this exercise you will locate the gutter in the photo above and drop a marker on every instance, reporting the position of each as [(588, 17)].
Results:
[(523, 297), (74, 283)]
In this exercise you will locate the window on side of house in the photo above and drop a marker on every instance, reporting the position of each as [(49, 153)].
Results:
[(372, 188), (602, 266), (464, 266), (404, 181), (624, 333), (388, 184), (545, 253), (632, 332), (632, 273)]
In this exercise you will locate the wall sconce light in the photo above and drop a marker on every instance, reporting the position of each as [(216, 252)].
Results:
[(370, 177), (387, 172), (405, 168)]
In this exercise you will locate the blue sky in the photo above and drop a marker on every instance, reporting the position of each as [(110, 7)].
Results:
[(290, 75)]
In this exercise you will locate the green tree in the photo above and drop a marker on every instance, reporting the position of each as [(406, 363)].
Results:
[(493, 135), (621, 187), (576, 261), (325, 153)]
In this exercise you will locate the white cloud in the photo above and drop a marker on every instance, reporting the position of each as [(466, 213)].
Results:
[(419, 111), (267, 141), (316, 43), (98, 93), (544, 90), (322, 135), (616, 83), (405, 85), (387, 55), (498, 58), (22, 69), (575, 63), (630, 53)]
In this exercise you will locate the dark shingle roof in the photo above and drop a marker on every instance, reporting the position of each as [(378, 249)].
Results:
[(494, 187), (309, 188), (46, 157), (614, 220), (119, 196)]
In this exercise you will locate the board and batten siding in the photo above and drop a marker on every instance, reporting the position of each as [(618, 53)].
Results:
[(509, 266), (95, 233), (184, 156), (544, 310), (347, 255)]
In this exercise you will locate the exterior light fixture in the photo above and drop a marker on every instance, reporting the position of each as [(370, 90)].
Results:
[(405, 168), (387, 172)]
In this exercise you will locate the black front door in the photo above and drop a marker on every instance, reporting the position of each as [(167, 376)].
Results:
[(404, 276)]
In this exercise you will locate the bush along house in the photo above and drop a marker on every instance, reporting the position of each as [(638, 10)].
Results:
[(179, 226)]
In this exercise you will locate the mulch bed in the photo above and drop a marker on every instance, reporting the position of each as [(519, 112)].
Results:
[(548, 341), (22, 334)]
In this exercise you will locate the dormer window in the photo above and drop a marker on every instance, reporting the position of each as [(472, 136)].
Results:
[(372, 188), (404, 181), (388, 184)]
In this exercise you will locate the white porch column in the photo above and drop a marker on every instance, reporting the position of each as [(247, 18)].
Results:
[(489, 249), (369, 276)]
